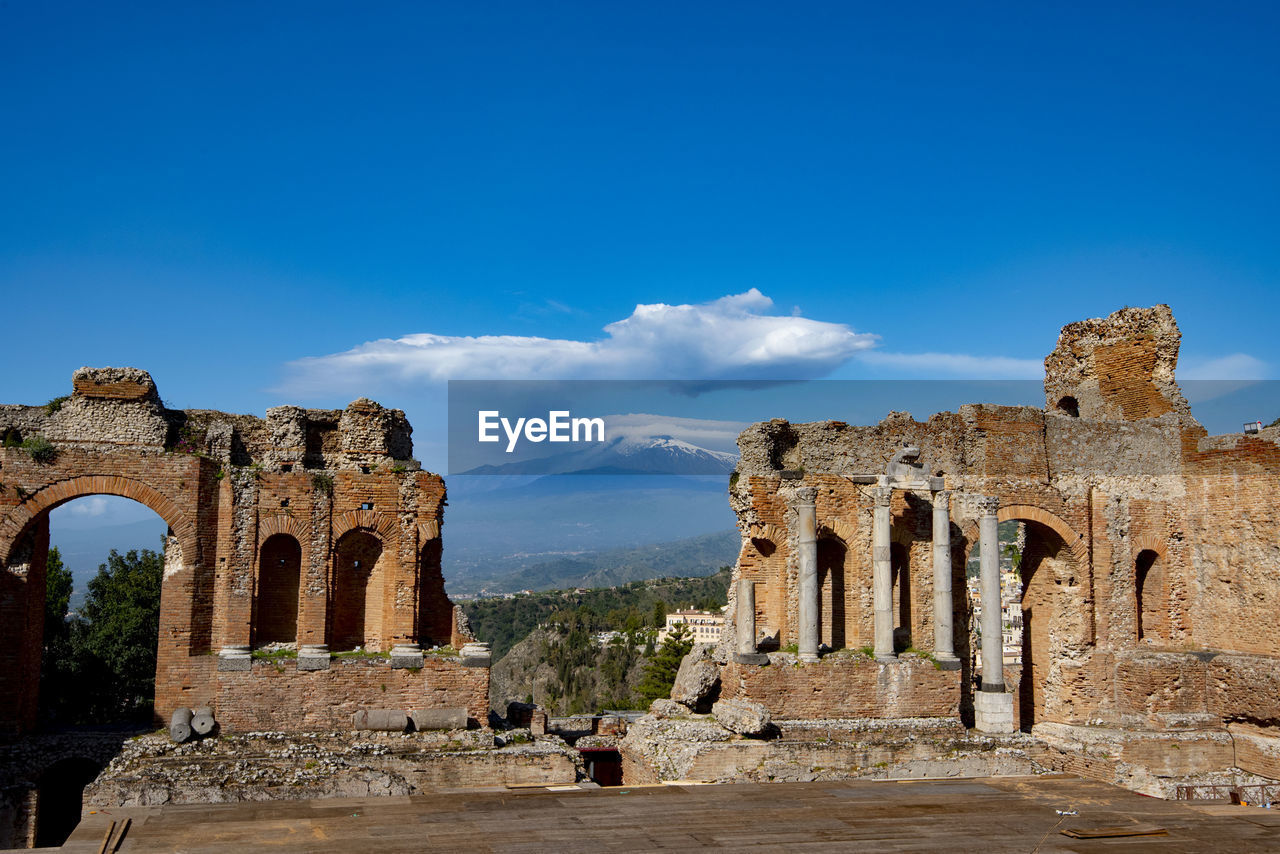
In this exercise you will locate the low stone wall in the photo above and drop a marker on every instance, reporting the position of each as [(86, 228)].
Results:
[(696, 748), (846, 686), (283, 766), (275, 695)]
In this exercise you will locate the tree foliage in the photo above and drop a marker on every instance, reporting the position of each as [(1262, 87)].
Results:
[(660, 673), (100, 666), (641, 604)]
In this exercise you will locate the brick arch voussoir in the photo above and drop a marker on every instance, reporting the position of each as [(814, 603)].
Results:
[(1150, 543), (281, 523), (427, 531), (837, 528), (1030, 513), (63, 491), (381, 524)]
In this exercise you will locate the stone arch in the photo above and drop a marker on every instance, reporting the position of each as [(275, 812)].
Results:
[(281, 523), (428, 530), (1030, 513), (382, 524), (1056, 557), (356, 611), (60, 492)]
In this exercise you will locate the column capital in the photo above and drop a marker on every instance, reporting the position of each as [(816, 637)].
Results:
[(985, 505), (882, 495), (804, 495), (942, 498)]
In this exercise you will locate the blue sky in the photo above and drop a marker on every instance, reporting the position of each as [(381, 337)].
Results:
[(217, 193)]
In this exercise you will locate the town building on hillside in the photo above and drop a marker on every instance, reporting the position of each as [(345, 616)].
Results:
[(704, 626)]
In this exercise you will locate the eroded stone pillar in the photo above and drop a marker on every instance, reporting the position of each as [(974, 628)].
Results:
[(993, 708), (807, 545), (882, 573), (745, 617), (943, 606)]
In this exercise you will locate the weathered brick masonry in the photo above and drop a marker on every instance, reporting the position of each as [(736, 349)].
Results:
[(310, 528), (1149, 571)]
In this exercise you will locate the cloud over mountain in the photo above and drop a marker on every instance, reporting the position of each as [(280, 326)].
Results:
[(734, 337)]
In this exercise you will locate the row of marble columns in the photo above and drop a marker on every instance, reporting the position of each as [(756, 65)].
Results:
[(803, 501), (993, 705)]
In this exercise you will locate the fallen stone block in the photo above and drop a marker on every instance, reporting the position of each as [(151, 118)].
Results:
[(742, 716), (697, 682), (381, 720), (428, 719)]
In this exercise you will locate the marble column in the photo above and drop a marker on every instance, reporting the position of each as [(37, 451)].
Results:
[(992, 706), (989, 590), (807, 546), (882, 573), (943, 606)]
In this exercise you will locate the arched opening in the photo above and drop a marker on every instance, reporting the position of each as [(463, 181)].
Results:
[(435, 615), (98, 565), (1049, 586), (900, 566), (831, 580), (59, 795), (356, 606), (1069, 406), (1150, 610), (276, 603)]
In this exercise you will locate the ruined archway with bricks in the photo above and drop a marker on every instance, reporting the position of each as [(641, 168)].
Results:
[(260, 512), (1053, 621)]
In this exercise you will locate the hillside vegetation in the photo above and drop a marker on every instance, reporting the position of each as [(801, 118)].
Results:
[(503, 623)]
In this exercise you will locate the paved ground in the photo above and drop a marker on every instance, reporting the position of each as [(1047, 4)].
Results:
[(986, 815)]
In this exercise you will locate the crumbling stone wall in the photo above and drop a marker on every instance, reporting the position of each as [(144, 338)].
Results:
[(1150, 564), (236, 491)]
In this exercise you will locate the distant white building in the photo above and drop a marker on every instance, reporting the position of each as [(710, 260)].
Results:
[(704, 626)]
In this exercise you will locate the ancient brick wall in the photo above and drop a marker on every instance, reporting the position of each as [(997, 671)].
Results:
[(258, 511), (276, 696), (1152, 549), (846, 687)]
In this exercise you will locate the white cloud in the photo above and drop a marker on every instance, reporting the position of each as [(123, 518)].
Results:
[(733, 337), (94, 505), (934, 365), (1237, 366)]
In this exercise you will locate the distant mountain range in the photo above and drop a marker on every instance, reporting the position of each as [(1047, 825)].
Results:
[(691, 557), (623, 455)]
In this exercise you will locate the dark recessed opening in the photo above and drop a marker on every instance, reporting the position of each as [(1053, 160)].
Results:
[(1070, 406), (367, 505), (287, 467)]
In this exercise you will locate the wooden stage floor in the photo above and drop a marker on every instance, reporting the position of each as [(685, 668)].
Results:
[(981, 815)]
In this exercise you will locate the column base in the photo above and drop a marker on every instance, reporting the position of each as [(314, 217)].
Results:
[(406, 656), (313, 656), (993, 712), (476, 654), (886, 657), (949, 662), (809, 657), (231, 658), (757, 658)]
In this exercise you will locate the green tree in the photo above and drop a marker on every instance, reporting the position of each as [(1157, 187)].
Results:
[(57, 596), (121, 629), (58, 670), (660, 672)]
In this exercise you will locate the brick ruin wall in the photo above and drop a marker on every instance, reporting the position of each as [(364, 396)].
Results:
[(1149, 569), (325, 487)]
